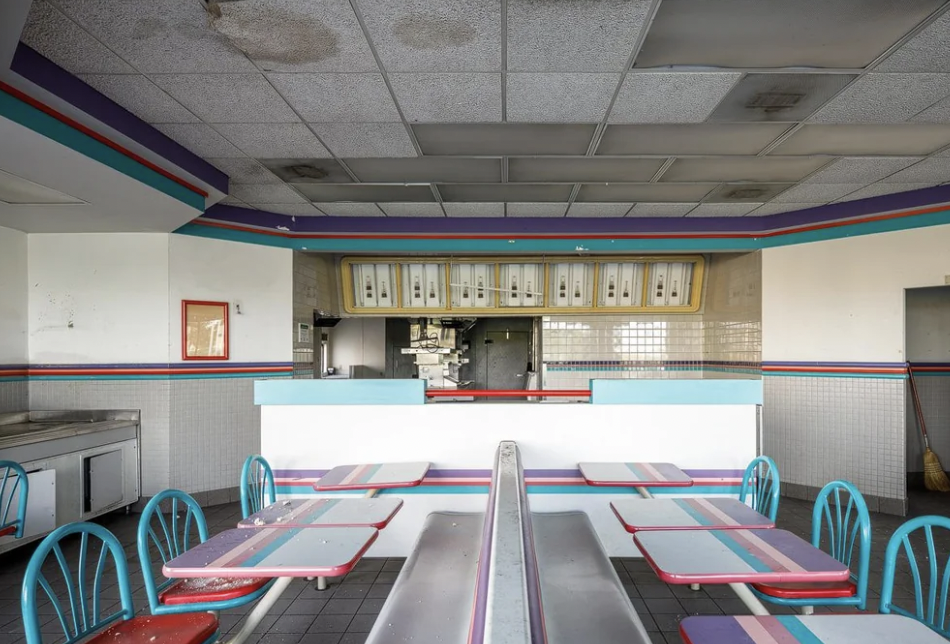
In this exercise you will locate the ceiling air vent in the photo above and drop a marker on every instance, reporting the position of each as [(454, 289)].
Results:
[(308, 172), (774, 101)]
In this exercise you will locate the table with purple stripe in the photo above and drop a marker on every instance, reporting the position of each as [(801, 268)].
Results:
[(807, 629), (737, 558), (688, 514), (341, 512), (372, 477), (281, 553), (637, 475)]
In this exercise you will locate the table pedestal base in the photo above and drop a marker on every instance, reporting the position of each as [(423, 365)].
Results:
[(749, 599)]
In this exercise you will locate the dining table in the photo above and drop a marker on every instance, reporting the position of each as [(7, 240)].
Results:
[(696, 513), (807, 629), (279, 553), (640, 476), (340, 512), (372, 477)]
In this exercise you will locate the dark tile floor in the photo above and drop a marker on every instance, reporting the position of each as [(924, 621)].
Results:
[(345, 612)]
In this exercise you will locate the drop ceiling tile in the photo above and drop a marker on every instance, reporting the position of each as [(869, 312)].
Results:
[(935, 171), (412, 209), (742, 168), (670, 97), (350, 209), (201, 139), (880, 189), (635, 192), (266, 193), (599, 209), (421, 36), (581, 169), (65, 43), (504, 139), (818, 192), (885, 98), (337, 98), (573, 36), (904, 139), (140, 96), (508, 192), (779, 97), (863, 170), (776, 34), (448, 98), (364, 193), (365, 139), (516, 209), (644, 209), (161, 36), (244, 170), (776, 208), (300, 170), (292, 209), (559, 98), (227, 98), (274, 140), (723, 209), (231, 201), (684, 139), (483, 209), (746, 192), (297, 36), (925, 52), (427, 170), (939, 112)]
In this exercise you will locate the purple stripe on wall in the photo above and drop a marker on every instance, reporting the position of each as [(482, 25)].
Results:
[(163, 365), (486, 473)]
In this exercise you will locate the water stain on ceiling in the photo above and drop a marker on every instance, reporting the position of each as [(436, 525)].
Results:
[(421, 31)]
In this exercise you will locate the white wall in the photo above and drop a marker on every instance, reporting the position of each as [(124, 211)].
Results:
[(13, 297), (98, 298), (843, 300), (359, 341), (928, 324)]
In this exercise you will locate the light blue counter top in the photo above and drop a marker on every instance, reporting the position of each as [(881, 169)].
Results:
[(339, 392), (676, 391)]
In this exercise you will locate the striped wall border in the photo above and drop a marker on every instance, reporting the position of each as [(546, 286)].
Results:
[(147, 371), (886, 370)]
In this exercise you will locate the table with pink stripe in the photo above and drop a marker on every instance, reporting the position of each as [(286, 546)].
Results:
[(372, 477), (807, 629), (302, 513), (687, 514), (637, 475), (737, 558)]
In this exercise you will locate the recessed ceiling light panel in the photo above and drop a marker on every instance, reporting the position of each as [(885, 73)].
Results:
[(17, 191)]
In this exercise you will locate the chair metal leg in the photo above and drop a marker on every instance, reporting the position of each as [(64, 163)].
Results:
[(260, 610), (694, 586), (808, 610), (321, 583), (749, 599)]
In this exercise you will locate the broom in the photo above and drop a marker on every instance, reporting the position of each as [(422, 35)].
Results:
[(935, 479)]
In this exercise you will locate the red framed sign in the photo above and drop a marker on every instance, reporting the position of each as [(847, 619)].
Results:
[(204, 330)]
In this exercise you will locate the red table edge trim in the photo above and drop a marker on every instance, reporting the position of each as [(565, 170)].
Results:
[(365, 486), (688, 483), (686, 639), (379, 525)]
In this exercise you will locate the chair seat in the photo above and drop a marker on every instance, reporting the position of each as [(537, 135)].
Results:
[(186, 628), (10, 529), (808, 590), (209, 589)]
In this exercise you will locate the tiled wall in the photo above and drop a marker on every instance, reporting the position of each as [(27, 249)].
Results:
[(819, 429), (14, 396), (732, 316), (315, 287)]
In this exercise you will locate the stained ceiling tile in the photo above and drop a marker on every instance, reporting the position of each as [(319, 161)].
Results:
[(559, 98), (350, 209), (266, 193), (635, 192), (508, 192), (935, 171), (598, 209), (682, 139), (746, 192), (365, 139), (737, 168), (244, 170), (881, 189), (573, 36), (644, 209), (307, 170), (779, 97), (448, 98), (292, 209), (774, 34), (925, 52), (140, 96), (361, 192), (201, 139), (863, 170), (723, 209), (482, 209), (504, 139), (65, 43), (670, 97), (904, 139), (517, 209), (297, 35), (337, 98), (581, 169), (412, 209), (422, 36), (776, 208), (818, 192), (274, 140), (885, 98), (427, 170), (160, 36), (227, 98)]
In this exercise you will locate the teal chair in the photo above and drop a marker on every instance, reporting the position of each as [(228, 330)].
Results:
[(257, 485), (13, 480), (760, 484), (930, 593), (74, 593), (845, 531)]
